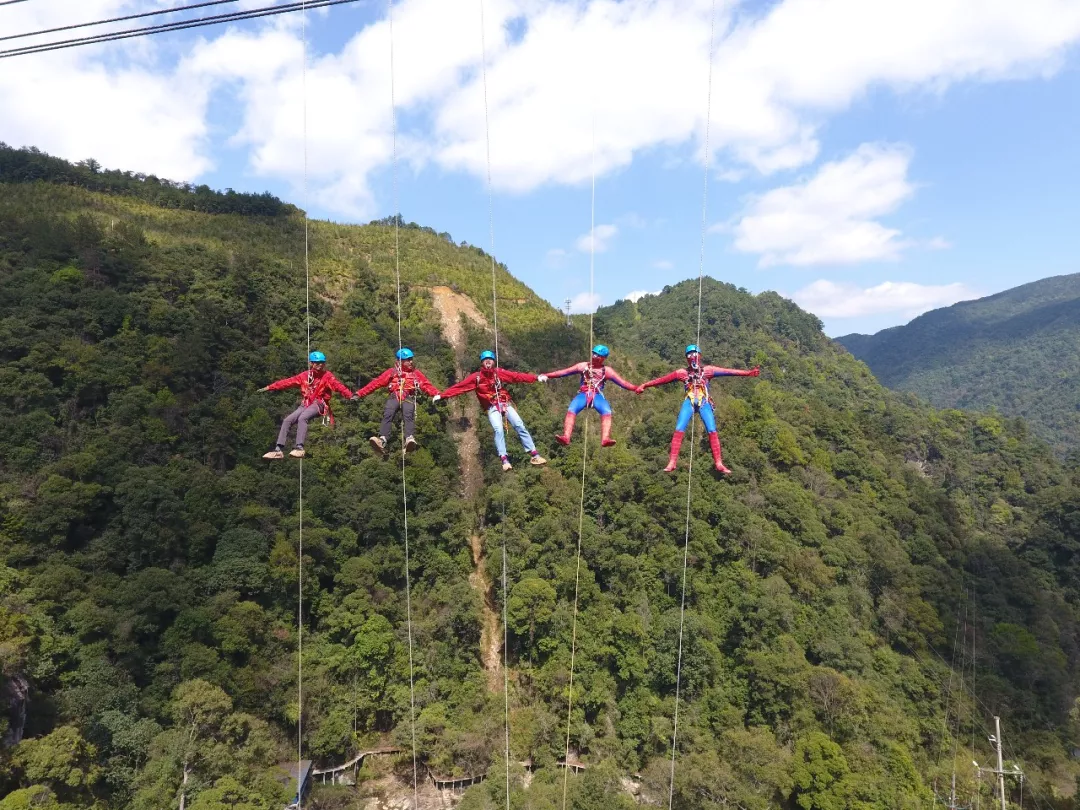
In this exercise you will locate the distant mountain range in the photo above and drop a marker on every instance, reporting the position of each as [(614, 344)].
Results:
[(1017, 351)]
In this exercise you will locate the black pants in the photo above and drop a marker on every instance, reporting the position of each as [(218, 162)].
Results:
[(408, 413)]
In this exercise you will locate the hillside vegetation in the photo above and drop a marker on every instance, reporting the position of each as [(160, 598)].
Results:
[(874, 582), (1017, 352)]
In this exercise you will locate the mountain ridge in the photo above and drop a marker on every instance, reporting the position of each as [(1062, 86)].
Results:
[(1015, 351)]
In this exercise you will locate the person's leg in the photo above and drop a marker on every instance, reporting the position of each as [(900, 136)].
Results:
[(575, 407), (286, 426), (496, 420), (408, 414), (307, 414), (708, 416), (686, 412), (389, 410), (603, 407), (519, 426)]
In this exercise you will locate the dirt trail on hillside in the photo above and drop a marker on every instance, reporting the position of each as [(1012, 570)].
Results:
[(451, 306)]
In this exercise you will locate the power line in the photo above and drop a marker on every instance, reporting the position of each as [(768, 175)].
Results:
[(118, 19), (11, 2), (265, 11)]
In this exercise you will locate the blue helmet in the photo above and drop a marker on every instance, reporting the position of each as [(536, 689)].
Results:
[(601, 350), (693, 348), (404, 354), (316, 357), (487, 355)]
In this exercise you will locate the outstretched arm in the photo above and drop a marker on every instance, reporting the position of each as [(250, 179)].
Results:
[(677, 374), (375, 384), (507, 376), (462, 387), (577, 368), (289, 382), (340, 387), (619, 381), (425, 384), (716, 371)]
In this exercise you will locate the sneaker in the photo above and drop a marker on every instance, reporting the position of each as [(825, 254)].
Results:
[(297, 452), (378, 443), (275, 453), (410, 444), (507, 466), (538, 460)]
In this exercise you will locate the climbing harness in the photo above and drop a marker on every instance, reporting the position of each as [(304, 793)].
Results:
[(592, 382), (696, 385)]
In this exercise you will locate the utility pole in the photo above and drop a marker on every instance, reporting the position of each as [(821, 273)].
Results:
[(1000, 771), (566, 305), (1001, 765)]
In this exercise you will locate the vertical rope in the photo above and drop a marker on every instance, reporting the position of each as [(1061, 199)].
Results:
[(495, 325), (404, 492), (300, 550), (693, 422), (584, 463), (491, 207)]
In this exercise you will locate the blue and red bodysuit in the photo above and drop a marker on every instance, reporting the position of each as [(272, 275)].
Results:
[(594, 375), (695, 379)]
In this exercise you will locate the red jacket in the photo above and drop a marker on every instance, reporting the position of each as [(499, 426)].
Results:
[(402, 384), (697, 385), (593, 377), (315, 386), (483, 382)]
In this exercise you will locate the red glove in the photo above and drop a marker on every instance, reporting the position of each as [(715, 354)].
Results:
[(755, 371), (640, 389)]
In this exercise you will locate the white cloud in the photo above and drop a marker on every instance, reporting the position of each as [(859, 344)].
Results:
[(831, 218), (556, 257), (599, 241), (637, 295), (584, 303), (637, 68), (663, 264), (828, 299)]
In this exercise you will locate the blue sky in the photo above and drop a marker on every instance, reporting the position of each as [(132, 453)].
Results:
[(871, 160)]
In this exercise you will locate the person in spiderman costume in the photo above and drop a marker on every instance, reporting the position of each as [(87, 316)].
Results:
[(317, 386), (401, 380), (489, 383), (695, 379), (591, 393)]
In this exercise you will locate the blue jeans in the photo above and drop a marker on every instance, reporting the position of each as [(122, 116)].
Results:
[(686, 413), (578, 403), (512, 417)]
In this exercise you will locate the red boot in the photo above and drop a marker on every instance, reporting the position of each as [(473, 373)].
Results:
[(605, 431), (676, 445), (567, 428), (714, 443)]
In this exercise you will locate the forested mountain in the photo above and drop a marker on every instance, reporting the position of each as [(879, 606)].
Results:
[(1017, 352), (874, 582)]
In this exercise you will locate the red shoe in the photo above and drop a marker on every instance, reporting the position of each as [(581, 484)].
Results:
[(564, 440), (673, 456), (567, 428), (718, 459), (720, 468), (605, 431)]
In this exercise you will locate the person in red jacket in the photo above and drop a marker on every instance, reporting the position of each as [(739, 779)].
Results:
[(401, 380), (317, 386), (695, 379), (591, 393), (489, 383)]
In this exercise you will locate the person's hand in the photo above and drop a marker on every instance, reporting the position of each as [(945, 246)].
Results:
[(640, 389), (755, 371), (436, 398), (264, 389), (542, 378)]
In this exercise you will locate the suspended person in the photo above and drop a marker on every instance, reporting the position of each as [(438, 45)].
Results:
[(317, 386), (594, 374), (402, 381), (489, 383), (695, 379)]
